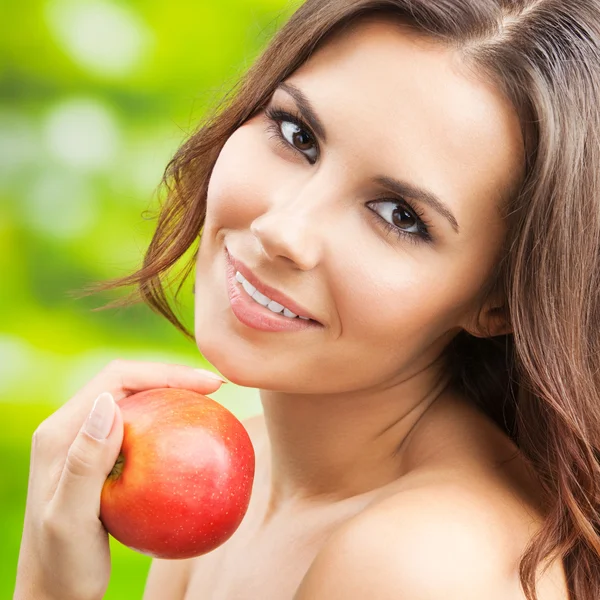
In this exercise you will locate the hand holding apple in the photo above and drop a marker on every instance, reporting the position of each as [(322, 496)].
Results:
[(64, 551), (182, 482)]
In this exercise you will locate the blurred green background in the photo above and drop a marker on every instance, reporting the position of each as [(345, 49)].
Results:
[(95, 97)]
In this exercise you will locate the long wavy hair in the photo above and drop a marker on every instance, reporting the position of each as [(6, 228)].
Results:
[(541, 382)]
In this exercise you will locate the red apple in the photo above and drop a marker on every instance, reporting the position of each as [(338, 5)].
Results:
[(182, 482)]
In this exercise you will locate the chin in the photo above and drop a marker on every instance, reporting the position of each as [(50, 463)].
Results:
[(220, 356)]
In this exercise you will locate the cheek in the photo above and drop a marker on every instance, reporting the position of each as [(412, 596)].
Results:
[(416, 293), (238, 180), (403, 300)]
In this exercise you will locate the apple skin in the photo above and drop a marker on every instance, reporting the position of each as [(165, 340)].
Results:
[(182, 483)]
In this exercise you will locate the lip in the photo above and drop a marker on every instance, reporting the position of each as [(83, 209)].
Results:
[(268, 291)]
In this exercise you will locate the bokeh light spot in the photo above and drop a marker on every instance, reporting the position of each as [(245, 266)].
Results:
[(61, 204), (106, 39), (82, 133)]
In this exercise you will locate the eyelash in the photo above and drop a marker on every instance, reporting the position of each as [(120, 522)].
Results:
[(276, 116)]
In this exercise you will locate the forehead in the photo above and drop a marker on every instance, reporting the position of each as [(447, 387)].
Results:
[(401, 104)]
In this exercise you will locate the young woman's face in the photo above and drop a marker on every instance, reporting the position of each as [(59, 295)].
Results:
[(391, 278)]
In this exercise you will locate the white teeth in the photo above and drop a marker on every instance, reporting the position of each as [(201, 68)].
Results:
[(261, 298), (275, 306), (264, 300), (249, 288)]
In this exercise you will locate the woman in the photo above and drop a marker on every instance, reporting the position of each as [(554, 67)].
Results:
[(414, 185)]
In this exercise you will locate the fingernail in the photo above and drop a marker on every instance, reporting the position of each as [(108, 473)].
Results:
[(210, 374), (100, 420)]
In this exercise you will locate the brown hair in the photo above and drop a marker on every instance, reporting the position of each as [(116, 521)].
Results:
[(541, 383)]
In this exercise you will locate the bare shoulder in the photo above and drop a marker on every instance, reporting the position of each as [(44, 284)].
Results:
[(439, 541), (430, 543), (455, 527), (167, 579)]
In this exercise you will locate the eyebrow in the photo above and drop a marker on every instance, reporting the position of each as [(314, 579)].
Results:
[(305, 108), (396, 186), (406, 189)]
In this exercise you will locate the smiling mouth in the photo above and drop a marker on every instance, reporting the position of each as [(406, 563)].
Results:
[(265, 301), (275, 301)]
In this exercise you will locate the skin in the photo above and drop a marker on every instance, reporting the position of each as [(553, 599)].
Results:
[(342, 403), (361, 439)]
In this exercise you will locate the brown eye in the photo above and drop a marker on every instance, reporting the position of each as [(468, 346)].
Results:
[(403, 219), (298, 137), (293, 133), (301, 138), (399, 217)]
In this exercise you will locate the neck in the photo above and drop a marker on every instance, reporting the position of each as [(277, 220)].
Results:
[(330, 448)]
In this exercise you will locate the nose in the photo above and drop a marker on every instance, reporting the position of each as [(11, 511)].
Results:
[(294, 226)]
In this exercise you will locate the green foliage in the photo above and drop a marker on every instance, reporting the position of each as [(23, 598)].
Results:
[(95, 97)]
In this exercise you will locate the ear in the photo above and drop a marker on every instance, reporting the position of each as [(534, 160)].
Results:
[(491, 321)]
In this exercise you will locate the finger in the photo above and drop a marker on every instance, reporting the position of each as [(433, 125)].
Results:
[(125, 377), (130, 376), (89, 460)]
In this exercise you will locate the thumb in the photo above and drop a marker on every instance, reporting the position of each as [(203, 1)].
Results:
[(90, 459)]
